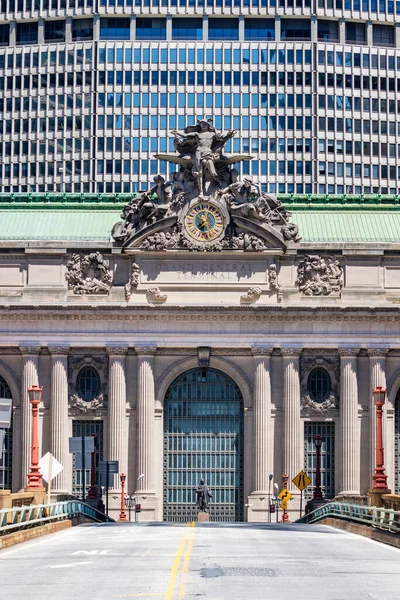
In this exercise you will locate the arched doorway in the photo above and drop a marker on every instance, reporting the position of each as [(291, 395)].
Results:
[(6, 451), (203, 438), (397, 443)]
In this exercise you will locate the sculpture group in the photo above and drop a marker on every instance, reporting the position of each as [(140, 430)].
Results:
[(205, 204)]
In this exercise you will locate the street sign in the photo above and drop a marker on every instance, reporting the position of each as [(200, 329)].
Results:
[(301, 481), (79, 461), (49, 467), (138, 508), (112, 466), (79, 444), (272, 508), (285, 495), (103, 479), (5, 412)]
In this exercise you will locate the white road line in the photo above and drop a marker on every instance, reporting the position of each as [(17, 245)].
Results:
[(66, 565)]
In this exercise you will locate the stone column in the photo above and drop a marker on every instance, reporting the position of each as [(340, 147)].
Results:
[(377, 370), (117, 424), (349, 426), (96, 28), (30, 364), (262, 419), (59, 415), (293, 453), (68, 30), (145, 418)]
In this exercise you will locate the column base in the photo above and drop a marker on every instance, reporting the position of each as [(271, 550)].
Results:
[(375, 496), (258, 508), (149, 507)]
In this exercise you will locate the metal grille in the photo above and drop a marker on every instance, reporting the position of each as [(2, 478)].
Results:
[(327, 433), (6, 450), (397, 445), (80, 428), (203, 439)]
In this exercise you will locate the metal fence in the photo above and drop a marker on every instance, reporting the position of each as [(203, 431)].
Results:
[(381, 518), (12, 519)]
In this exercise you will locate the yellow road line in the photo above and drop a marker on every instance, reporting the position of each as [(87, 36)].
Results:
[(186, 562)]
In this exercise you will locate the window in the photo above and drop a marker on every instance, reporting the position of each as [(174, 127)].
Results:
[(259, 29), (326, 431), (223, 29), (4, 35), (296, 29), (115, 29), (319, 384), (355, 33), (27, 33), (187, 29), (328, 31), (383, 35), (88, 383), (150, 29), (54, 31), (82, 29), (6, 454)]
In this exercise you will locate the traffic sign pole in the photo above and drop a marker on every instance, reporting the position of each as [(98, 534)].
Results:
[(301, 503), (83, 468)]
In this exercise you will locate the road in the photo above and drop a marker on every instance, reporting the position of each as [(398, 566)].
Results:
[(212, 561)]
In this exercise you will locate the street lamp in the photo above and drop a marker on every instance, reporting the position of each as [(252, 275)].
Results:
[(137, 491), (122, 514), (276, 487), (317, 495), (379, 479), (35, 476)]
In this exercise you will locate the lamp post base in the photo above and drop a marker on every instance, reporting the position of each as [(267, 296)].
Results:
[(375, 496)]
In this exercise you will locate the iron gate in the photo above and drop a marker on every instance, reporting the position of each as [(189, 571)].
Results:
[(203, 439), (80, 428), (327, 433)]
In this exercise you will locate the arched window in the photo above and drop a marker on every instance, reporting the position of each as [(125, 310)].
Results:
[(88, 383), (319, 384), (6, 454)]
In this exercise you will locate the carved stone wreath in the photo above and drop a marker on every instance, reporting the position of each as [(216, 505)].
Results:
[(87, 406), (88, 274)]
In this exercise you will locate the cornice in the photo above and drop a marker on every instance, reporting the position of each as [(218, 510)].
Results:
[(59, 350), (254, 313), (5, 351), (146, 350), (117, 350)]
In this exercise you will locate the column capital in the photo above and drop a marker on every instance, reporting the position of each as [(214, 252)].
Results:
[(349, 352), (30, 349), (145, 350), (291, 352), (377, 352), (59, 350), (262, 350), (117, 350)]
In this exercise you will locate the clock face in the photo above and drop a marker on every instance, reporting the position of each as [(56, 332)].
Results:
[(204, 222)]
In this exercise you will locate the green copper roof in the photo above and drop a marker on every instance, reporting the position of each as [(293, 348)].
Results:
[(90, 217)]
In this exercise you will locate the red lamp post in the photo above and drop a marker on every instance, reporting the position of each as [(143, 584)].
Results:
[(317, 495), (122, 514), (35, 476), (379, 479)]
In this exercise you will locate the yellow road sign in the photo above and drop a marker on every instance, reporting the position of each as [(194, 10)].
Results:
[(285, 495), (301, 481)]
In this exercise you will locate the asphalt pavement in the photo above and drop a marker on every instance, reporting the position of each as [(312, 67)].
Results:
[(194, 561)]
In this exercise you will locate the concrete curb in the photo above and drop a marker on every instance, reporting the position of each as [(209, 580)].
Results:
[(29, 534), (378, 535)]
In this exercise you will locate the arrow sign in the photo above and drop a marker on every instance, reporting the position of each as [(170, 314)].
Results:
[(301, 481), (285, 495)]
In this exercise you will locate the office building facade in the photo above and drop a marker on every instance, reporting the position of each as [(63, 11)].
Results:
[(90, 90)]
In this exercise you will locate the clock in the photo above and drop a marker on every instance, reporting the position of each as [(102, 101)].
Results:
[(205, 222)]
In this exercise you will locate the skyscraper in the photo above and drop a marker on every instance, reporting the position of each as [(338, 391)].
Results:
[(90, 90)]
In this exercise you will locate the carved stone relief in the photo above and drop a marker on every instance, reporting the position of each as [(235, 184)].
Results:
[(133, 281), (155, 294), (88, 274), (252, 295), (273, 282), (309, 360), (319, 276)]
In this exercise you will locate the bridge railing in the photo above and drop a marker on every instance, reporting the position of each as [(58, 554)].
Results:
[(381, 518), (12, 519)]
